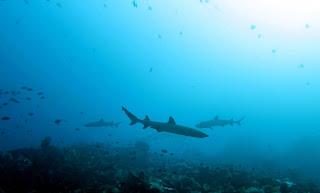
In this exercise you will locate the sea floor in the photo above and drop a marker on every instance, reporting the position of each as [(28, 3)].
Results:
[(101, 168)]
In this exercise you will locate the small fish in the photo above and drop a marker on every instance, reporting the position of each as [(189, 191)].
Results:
[(150, 69), (23, 88), (40, 93), (58, 121), (164, 151), (5, 118), (29, 89), (77, 129), (31, 114), (28, 98), (42, 97), (14, 100), (5, 104)]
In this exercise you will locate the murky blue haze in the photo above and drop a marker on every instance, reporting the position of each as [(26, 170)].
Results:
[(191, 60)]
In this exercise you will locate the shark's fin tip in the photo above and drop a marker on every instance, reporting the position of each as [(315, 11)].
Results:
[(171, 120)]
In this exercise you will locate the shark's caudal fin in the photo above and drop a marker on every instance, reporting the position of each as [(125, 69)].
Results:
[(131, 116)]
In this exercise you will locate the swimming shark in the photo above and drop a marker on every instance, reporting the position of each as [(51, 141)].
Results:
[(103, 123), (169, 127), (216, 121)]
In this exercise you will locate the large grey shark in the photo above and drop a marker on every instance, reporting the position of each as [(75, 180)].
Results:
[(218, 122), (170, 126), (102, 123)]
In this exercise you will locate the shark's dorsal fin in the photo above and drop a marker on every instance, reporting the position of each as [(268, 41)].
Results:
[(171, 120), (216, 117), (147, 118)]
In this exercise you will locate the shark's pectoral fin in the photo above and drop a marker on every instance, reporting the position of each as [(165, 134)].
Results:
[(156, 128), (171, 120)]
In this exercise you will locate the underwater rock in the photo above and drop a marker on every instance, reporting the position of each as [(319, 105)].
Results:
[(46, 142), (102, 168), (137, 184), (142, 146), (254, 190)]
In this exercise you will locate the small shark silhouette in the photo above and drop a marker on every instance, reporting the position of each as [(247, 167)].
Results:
[(170, 126), (216, 121), (102, 123)]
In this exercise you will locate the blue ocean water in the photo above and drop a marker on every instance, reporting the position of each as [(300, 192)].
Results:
[(192, 60)]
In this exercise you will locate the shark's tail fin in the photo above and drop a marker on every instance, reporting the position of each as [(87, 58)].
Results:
[(239, 121), (131, 116)]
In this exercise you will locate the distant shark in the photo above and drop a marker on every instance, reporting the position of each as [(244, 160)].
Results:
[(170, 126), (102, 123), (216, 121)]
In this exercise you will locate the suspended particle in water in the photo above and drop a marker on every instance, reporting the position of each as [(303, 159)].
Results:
[(307, 26), (259, 36), (253, 27), (274, 51), (300, 66), (204, 1), (59, 5), (135, 3)]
